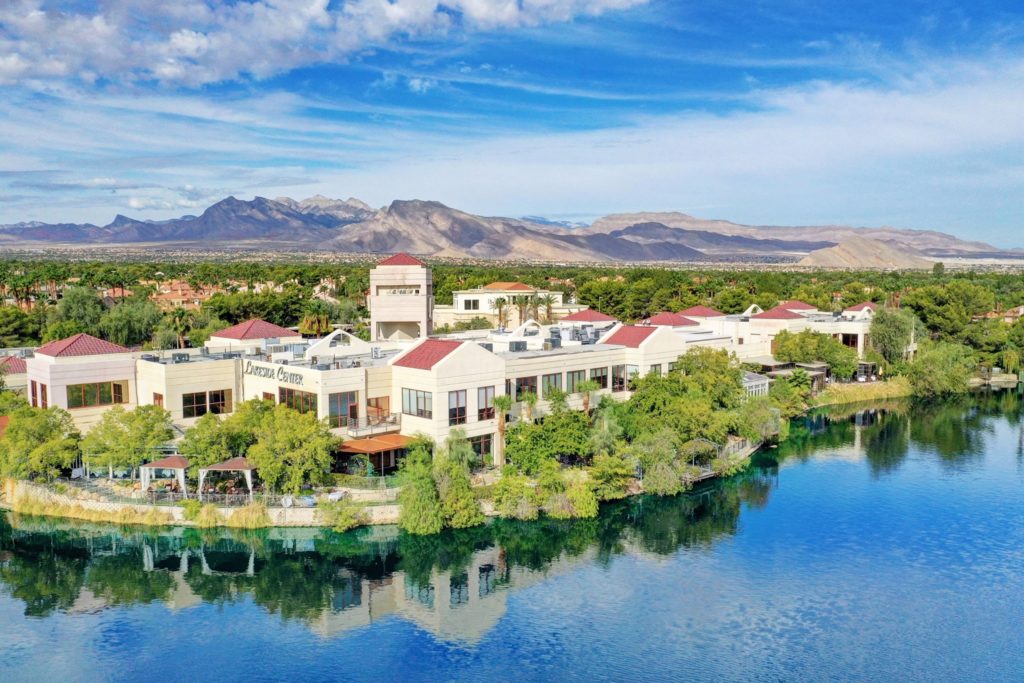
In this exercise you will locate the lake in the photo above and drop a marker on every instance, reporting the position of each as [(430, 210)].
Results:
[(876, 544)]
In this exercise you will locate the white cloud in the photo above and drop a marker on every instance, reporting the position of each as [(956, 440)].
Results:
[(193, 42)]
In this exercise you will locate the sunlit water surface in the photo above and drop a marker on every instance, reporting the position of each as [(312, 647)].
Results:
[(875, 545)]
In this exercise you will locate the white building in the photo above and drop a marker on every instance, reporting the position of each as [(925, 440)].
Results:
[(377, 395), (505, 304)]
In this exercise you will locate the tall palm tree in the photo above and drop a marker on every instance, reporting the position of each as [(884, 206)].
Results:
[(521, 303), (502, 404), (587, 387), (501, 308), (181, 323), (548, 302), (529, 400), (534, 306)]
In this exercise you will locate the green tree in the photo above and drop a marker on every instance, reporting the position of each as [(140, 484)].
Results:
[(420, 512), (80, 307), (514, 497), (130, 323), (892, 331), (459, 506), (125, 439), (292, 450), (808, 346), (945, 309), (611, 475), (940, 369), (38, 443), (17, 327)]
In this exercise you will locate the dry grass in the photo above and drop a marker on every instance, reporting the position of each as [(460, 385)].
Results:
[(836, 394), (30, 505), (208, 517), (252, 516)]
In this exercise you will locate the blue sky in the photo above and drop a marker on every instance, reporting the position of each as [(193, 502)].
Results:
[(865, 113)]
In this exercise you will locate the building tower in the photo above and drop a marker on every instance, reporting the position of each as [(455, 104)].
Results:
[(401, 299)]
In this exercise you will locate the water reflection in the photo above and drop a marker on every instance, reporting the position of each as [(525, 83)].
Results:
[(955, 430), (455, 585)]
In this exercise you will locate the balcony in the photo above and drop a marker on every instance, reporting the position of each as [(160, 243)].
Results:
[(377, 424)]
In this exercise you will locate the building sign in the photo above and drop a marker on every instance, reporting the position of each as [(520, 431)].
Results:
[(278, 372)]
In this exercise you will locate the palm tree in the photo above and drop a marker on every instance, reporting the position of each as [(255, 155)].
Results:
[(521, 303), (587, 387), (548, 302), (534, 306), (529, 400), (502, 404), (181, 323), (501, 308)]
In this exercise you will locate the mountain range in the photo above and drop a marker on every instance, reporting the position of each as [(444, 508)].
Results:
[(432, 229)]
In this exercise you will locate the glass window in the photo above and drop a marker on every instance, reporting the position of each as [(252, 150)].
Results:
[(302, 401), (343, 408), (43, 400), (35, 394), (485, 403), (158, 399), (482, 445), (526, 384), (552, 381), (600, 375), (219, 401), (417, 403), (618, 378), (573, 379), (378, 407), (471, 304), (193, 405), (457, 407), (655, 369), (100, 394)]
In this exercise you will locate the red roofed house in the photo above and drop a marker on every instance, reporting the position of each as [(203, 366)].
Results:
[(796, 305), (82, 374), (588, 315), (670, 320), (15, 373), (443, 384), (252, 334), (401, 299), (653, 349)]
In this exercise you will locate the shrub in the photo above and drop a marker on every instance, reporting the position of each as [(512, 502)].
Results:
[(514, 497), (341, 515), (582, 499), (611, 475), (208, 516), (421, 508), (252, 516), (191, 509), (661, 479)]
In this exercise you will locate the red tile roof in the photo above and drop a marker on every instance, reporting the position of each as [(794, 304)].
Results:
[(670, 320), (232, 465), (13, 365), (510, 286), (171, 462), (588, 315), (255, 329), (797, 305), (428, 354), (401, 260), (701, 312), (81, 344), (860, 307), (777, 313), (630, 335)]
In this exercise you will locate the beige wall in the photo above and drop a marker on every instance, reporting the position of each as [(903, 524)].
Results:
[(173, 380), (400, 316), (58, 373)]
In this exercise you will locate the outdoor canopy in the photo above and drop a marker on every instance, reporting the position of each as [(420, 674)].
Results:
[(174, 462), (238, 464)]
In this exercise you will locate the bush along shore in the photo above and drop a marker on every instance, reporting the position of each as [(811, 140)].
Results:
[(675, 430)]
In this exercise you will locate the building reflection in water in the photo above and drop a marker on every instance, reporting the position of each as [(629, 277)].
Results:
[(455, 585)]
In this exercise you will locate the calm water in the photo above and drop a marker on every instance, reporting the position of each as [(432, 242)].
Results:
[(881, 545)]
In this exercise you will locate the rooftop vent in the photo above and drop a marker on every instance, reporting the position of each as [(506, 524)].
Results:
[(516, 346)]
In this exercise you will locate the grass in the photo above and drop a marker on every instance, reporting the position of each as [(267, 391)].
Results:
[(30, 505), (855, 392), (252, 516)]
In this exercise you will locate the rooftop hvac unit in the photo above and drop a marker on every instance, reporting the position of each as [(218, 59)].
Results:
[(555, 332), (376, 352), (322, 366), (588, 340), (516, 346), (547, 346), (179, 357), (204, 351), (283, 361), (232, 354), (151, 358), (487, 345), (555, 342)]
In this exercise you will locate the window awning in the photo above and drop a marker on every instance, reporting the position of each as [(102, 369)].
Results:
[(376, 444)]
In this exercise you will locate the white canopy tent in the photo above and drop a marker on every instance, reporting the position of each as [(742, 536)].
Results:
[(233, 465), (176, 463)]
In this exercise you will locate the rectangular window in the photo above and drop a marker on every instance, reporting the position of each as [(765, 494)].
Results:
[(485, 403), (100, 394), (740, 341), (457, 407), (655, 369), (482, 445), (618, 378), (549, 382), (471, 305), (526, 384), (343, 408), (672, 366), (600, 375), (193, 405), (418, 403), (158, 399), (43, 400), (35, 393), (267, 396), (302, 401), (573, 379), (378, 407), (219, 401)]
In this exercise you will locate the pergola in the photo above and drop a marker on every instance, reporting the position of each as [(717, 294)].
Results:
[(238, 464), (383, 450), (173, 462)]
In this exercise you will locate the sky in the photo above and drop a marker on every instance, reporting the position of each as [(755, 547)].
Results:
[(790, 112)]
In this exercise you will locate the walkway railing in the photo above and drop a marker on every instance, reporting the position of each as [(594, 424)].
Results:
[(368, 426)]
